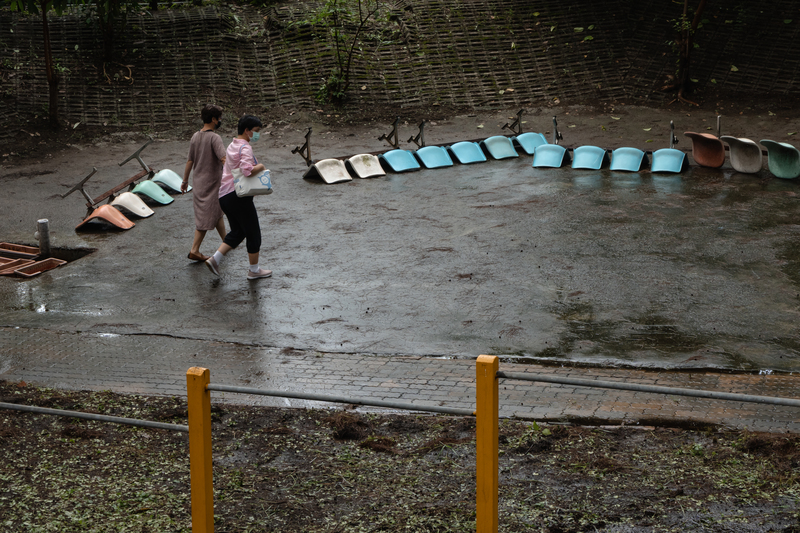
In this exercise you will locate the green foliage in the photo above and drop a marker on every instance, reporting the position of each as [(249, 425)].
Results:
[(332, 89), (344, 23), (33, 6)]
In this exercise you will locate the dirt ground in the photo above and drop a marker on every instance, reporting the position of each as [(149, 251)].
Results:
[(294, 470), (773, 117)]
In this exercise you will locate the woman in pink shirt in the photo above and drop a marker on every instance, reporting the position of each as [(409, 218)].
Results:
[(240, 211)]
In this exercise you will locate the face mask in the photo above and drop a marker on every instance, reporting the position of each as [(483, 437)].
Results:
[(256, 136)]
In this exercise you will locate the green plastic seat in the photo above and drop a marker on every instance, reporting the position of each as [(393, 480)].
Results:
[(169, 179), (783, 159), (153, 191)]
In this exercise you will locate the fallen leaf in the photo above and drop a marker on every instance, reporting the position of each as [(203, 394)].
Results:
[(647, 129), (501, 91), (510, 90), (734, 69), (771, 113), (363, 87), (571, 126), (480, 125), (649, 140), (615, 118), (792, 133)]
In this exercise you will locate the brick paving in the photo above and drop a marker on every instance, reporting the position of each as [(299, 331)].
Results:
[(154, 364)]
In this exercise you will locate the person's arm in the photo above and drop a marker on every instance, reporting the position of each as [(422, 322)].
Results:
[(186, 172), (246, 162), (258, 169)]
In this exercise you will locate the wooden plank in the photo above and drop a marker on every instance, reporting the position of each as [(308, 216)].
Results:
[(119, 187)]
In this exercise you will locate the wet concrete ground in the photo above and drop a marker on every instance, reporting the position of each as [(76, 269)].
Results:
[(697, 271)]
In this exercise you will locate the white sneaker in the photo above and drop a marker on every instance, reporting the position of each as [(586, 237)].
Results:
[(260, 274), (212, 265)]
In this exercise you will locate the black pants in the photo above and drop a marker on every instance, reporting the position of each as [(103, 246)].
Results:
[(243, 219)]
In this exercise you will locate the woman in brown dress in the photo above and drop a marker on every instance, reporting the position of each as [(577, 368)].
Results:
[(206, 158)]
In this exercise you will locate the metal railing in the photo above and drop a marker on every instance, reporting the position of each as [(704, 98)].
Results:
[(389, 404), (93, 416)]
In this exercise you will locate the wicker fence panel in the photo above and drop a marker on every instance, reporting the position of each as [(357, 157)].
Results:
[(453, 52)]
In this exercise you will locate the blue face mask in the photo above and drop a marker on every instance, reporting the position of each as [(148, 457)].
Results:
[(256, 136)]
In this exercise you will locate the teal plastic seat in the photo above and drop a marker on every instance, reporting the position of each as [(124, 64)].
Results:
[(669, 160), (629, 159), (153, 191), (433, 157), (783, 159), (550, 155), (467, 152), (745, 154), (169, 179), (589, 157), (499, 147), (399, 160), (529, 141)]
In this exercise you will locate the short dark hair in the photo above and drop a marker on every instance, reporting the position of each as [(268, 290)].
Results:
[(209, 112), (248, 122)]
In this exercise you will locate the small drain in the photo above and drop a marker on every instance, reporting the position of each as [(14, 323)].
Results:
[(24, 261)]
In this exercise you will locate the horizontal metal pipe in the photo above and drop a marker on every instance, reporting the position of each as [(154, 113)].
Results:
[(650, 388), (93, 416), (341, 399)]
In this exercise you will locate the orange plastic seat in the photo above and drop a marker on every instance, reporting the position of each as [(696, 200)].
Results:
[(111, 215)]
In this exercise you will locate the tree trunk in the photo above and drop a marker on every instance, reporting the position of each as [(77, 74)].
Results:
[(105, 17), (52, 75), (687, 44)]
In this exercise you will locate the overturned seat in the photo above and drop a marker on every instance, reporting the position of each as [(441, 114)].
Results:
[(110, 214), (745, 154), (669, 159), (467, 152), (365, 166), (169, 179), (399, 160), (329, 171), (153, 191), (499, 147), (132, 204), (550, 155), (529, 141), (627, 158), (707, 149), (783, 159), (433, 157), (589, 157)]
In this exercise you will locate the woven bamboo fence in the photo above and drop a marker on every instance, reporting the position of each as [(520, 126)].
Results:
[(472, 53)]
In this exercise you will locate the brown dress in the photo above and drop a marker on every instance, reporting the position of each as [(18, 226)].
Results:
[(206, 152)]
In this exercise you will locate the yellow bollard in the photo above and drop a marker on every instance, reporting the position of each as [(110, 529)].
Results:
[(202, 485), (487, 443)]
